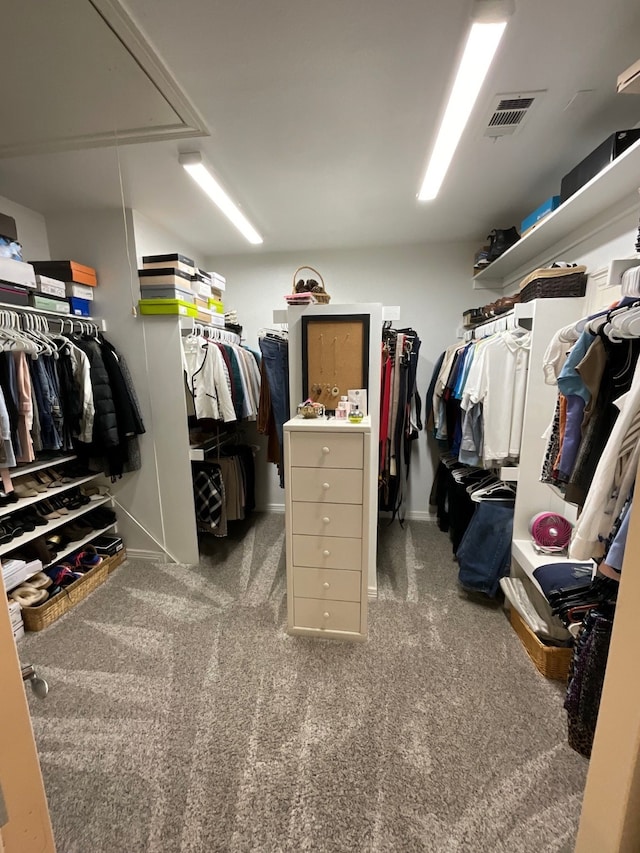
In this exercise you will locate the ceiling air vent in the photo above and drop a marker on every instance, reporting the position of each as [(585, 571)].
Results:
[(509, 113)]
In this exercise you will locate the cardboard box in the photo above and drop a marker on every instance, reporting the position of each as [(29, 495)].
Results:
[(201, 288), (14, 295), (167, 306), (164, 275), (67, 271), (605, 153), (48, 303), (79, 307), (540, 213), (167, 291), (175, 261), (216, 306), (17, 272), (79, 291), (51, 286)]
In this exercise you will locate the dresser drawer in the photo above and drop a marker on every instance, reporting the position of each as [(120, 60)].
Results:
[(323, 450), (316, 519), (327, 615), (326, 583), (338, 485), (327, 552)]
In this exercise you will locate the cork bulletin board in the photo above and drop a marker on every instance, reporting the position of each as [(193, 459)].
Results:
[(335, 356)]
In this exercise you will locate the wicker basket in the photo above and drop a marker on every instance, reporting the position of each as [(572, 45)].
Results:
[(551, 661), (115, 561), (38, 618), (323, 298), (571, 284)]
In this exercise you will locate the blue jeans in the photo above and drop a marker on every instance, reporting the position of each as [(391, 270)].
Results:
[(275, 354), (484, 555)]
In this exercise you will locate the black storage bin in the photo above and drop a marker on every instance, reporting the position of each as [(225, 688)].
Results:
[(606, 153)]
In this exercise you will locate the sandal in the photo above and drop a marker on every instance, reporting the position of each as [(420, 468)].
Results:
[(23, 491), (47, 511), (32, 483)]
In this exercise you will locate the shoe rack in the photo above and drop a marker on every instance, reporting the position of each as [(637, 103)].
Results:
[(45, 530)]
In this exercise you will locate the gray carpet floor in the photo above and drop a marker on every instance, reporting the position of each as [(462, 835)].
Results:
[(183, 719)]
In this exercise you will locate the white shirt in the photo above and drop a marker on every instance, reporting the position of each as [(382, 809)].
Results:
[(557, 352), (207, 380)]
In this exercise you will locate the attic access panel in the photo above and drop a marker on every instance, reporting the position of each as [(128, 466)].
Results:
[(87, 76)]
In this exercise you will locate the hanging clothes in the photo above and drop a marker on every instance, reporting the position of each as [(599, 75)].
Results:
[(400, 416), (274, 347), (224, 489)]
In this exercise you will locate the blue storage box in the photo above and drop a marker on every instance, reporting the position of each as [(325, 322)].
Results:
[(547, 207), (79, 307)]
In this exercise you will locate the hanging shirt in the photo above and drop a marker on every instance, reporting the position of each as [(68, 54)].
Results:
[(207, 380)]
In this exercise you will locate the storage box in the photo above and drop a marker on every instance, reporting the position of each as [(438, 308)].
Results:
[(18, 632), (204, 315), (17, 272), (203, 275), (164, 276), (166, 291), (201, 288), (216, 306), (217, 320), (551, 661), (15, 613), (79, 291), (540, 213), (8, 227), (48, 303), (14, 295), (167, 306), (14, 572), (67, 271), (175, 261), (51, 286), (80, 307), (40, 617), (606, 153), (108, 545)]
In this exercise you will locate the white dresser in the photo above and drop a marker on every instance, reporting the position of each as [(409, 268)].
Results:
[(328, 514)]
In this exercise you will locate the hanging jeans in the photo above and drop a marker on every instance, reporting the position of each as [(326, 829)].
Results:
[(275, 354), (484, 554)]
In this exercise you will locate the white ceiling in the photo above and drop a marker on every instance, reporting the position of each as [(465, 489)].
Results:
[(322, 115)]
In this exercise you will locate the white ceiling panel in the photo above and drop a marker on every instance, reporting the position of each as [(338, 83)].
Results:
[(322, 116)]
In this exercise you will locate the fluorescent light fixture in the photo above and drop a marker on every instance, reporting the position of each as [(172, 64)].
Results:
[(192, 162), (481, 46)]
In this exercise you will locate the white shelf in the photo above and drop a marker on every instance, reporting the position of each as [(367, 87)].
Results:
[(29, 309), (39, 464), (615, 182), (19, 541), (76, 546), (529, 560), (23, 503), (509, 474)]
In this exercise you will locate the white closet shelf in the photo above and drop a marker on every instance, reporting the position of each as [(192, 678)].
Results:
[(23, 503), (529, 560), (509, 474), (76, 546), (19, 541), (39, 464), (611, 185), (8, 306)]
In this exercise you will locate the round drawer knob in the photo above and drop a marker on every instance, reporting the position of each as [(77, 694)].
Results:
[(326, 519), (326, 614), (326, 553), (326, 486), (325, 450), (326, 585)]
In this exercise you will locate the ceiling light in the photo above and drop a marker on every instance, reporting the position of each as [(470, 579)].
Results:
[(481, 46), (193, 164)]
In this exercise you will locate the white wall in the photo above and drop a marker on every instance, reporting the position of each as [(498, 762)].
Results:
[(430, 283), (32, 230), (159, 496), (153, 239)]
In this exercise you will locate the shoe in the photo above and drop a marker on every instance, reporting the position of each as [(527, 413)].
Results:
[(47, 511), (59, 504), (34, 517), (23, 491), (101, 517), (7, 498), (32, 483), (25, 521), (12, 527), (45, 480), (500, 240)]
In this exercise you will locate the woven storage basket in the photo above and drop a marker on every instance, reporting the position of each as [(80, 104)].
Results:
[(323, 298), (551, 661), (38, 618), (115, 561), (572, 284)]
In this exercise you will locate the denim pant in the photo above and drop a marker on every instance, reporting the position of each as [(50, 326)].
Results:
[(484, 554), (275, 354)]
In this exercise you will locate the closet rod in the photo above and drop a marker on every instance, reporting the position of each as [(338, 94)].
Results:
[(28, 309), (190, 326)]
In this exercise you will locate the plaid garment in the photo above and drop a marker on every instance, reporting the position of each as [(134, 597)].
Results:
[(208, 492)]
